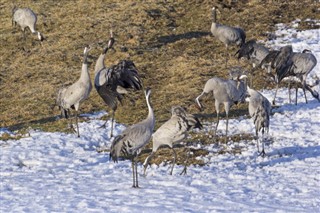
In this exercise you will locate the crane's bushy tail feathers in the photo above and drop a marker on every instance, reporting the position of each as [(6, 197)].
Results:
[(125, 74), (116, 148)]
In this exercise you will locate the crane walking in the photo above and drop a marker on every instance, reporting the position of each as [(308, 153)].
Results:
[(172, 132), (227, 92), (70, 97), (130, 142)]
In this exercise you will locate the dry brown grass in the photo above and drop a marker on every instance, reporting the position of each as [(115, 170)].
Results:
[(168, 40)]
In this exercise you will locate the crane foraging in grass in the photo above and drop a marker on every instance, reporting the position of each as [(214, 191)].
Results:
[(70, 97), (226, 92), (253, 52), (226, 34), (112, 83), (130, 142), (259, 110), (172, 132), (26, 18)]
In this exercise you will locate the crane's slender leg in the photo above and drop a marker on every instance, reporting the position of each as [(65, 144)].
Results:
[(105, 124), (136, 165), (257, 140), (77, 124), (146, 162), (184, 171), (174, 159), (112, 120), (227, 127), (215, 131), (275, 94), (133, 173), (217, 104), (289, 89), (227, 108), (304, 92)]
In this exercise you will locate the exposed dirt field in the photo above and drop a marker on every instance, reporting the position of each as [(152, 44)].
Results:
[(169, 41)]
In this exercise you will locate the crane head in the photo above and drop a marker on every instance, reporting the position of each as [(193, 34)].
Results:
[(40, 36)]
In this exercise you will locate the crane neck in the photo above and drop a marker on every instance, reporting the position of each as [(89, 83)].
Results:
[(100, 62), (151, 116), (85, 76), (214, 16)]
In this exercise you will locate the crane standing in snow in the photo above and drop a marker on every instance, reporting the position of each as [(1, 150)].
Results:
[(25, 17), (303, 63), (259, 110), (130, 142), (288, 63), (280, 61), (70, 97), (112, 83), (172, 132), (227, 92), (226, 34)]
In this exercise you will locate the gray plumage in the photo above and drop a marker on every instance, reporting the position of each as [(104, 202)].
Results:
[(288, 63), (70, 97), (26, 18), (259, 110), (253, 52), (281, 62), (227, 92), (112, 83), (130, 142), (226, 34), (172, 132), (303, 63)]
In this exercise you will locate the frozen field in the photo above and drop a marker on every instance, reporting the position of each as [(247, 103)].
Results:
[(57, 172)]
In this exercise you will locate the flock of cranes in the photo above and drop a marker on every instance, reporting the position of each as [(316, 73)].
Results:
[(114, 82)]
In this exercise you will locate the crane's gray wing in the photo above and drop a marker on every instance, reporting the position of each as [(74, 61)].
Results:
[(126, 75), (270, 58), (246, 49)]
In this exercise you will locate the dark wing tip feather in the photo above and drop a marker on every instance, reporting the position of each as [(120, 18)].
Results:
[(115, 149)]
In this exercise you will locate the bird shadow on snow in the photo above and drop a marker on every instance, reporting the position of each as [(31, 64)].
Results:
[(289, 154)]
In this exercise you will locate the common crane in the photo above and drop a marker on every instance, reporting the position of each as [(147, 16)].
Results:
[(70, 97), (226, 34), (112, 83), (303, 63), (172, 132), (253, 52), (281, 62), (25, 17), (227, 92), (130, 142), (259, 110), (288, 63)]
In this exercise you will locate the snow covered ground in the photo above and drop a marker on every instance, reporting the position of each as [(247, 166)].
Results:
[(57, 172)]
